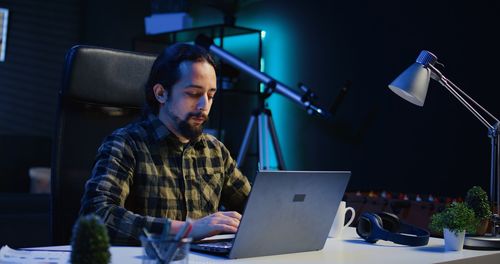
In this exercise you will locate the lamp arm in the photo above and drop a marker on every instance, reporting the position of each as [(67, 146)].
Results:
[(476, 113), (438, 76), (473, 101)]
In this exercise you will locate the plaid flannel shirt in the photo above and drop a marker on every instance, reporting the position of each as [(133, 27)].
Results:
[(143, 176)]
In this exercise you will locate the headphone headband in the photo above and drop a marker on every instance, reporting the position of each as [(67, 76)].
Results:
[(386, 226)]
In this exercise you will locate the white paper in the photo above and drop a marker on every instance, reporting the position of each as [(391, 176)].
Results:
[(13, 256)]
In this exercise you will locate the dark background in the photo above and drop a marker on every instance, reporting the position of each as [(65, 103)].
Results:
[(388, 143)]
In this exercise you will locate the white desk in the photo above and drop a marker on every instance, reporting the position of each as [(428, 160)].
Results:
[(350, 249)]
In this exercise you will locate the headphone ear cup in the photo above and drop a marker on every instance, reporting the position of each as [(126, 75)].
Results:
[(364, 227), (368, 225), (389, 222)]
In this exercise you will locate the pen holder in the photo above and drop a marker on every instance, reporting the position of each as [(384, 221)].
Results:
[(157, 250)]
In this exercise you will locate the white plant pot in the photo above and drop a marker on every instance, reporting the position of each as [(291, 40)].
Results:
[(452, 241)]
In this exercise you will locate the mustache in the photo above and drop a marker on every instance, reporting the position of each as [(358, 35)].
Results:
[(197, 114)]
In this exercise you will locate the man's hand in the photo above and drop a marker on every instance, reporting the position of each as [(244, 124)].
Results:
[(220, 222)]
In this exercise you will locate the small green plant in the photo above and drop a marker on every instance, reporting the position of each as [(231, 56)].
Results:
[(90, 241), (456, 217), (477, 200)]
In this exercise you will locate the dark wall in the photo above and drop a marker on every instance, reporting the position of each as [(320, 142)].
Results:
[(113, 23), (387, 142), (39, 33)]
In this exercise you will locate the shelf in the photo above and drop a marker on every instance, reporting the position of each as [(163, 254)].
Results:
[(155, 43)]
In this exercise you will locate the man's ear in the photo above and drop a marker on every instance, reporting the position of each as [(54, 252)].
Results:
[(161, 94)]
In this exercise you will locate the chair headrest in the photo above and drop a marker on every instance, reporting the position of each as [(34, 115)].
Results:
[(106, 76)]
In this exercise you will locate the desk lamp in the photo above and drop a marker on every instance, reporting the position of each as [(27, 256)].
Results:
[(412, 86)]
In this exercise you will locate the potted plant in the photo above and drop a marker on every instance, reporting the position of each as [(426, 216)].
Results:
[(477, 200), (454, 221), (90, 241)]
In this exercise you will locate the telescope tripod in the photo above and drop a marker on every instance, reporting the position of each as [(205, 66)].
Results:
[(265, 125)]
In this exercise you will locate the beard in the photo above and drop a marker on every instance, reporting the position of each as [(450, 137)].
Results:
[(186, 129)]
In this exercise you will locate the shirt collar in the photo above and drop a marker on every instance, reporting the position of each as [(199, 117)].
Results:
[(160, 130)]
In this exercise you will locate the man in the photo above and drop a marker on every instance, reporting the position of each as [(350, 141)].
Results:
[(163, 168)]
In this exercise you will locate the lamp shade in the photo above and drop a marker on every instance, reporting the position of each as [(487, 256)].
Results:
[(412, 84)]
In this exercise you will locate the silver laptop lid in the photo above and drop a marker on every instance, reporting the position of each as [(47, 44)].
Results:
[(289, 212)]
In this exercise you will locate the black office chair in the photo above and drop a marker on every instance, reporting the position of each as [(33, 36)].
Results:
[(102, 90)]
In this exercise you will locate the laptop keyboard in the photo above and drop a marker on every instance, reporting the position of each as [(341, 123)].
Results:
[(218, 244)]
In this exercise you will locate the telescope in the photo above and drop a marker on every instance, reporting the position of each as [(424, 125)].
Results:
[(272, 85), (262, 113)]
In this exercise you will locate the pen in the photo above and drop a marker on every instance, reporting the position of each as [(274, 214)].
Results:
[(166, 230)]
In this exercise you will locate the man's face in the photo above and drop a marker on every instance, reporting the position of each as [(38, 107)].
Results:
[(189, 102)]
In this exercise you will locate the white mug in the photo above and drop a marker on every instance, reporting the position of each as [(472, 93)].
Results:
[(338, 224)]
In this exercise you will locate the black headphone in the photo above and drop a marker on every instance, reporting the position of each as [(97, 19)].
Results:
[(387, 226)]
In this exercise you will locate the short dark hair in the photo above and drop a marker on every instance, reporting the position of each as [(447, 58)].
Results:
[(165, 69)]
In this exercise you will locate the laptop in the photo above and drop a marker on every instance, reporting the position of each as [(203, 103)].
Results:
[(286, 212)]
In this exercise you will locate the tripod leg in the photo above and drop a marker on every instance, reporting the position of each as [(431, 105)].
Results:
[(263, 154), (246, 141), (274, 137)]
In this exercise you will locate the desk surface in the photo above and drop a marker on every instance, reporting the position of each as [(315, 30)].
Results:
[(349, 249)]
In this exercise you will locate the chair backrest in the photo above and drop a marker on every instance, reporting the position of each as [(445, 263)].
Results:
[(102, 90)]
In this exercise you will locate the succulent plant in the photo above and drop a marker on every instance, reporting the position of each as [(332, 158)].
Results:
[(90, 241)]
